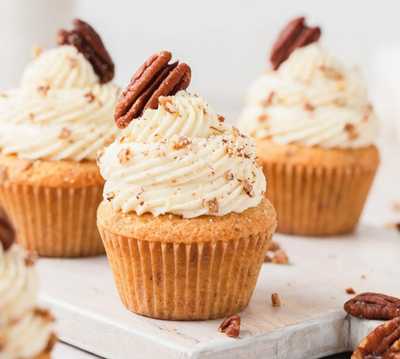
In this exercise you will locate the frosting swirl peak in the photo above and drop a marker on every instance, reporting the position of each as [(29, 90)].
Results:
[(61, 111), (312, 100), (182, 159)]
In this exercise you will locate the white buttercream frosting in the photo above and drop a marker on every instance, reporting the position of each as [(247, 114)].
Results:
[(25, 331), (60, 112), (312, 100), (182, 159)]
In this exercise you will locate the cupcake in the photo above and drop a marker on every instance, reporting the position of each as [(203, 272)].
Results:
[(183, 219), (315, 131), (51, 129), (26, 331)]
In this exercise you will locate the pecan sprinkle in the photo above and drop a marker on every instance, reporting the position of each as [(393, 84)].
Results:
[(296, 34), (212, 205), (88, 42), (155, 78), (383, 342), (373, 306), (231, 326)]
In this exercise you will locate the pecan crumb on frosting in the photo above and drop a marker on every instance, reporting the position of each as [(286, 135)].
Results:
[(109, 196), (228, 175), (212, 205), (331, 73), (125, 155), (90, 97), (309, 107), (221, 118), (263, 117), (43, 89), (351, 131), (181, 143), (248, 188), (64, 134), (269, 100)]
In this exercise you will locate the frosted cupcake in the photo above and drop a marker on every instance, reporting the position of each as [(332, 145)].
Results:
[(26, 331), (315, 130), (183, 219), (51, 129)]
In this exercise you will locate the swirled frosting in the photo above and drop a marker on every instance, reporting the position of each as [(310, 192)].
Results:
[(25, 330), (311, 100), (60, 112), (182, 159)]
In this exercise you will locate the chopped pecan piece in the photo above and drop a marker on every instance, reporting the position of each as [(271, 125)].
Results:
[(350, 291), (296, 34), (275, 300), (351, 131), (155, 78), (88, 42), (181, 143), (280, 257), (373, 306), (64, 133), (125, 156), (383, 342), (231, 326), (211, 205)]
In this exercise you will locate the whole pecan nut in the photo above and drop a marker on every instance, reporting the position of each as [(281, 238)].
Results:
[(88, 42), (383, 342), (373, 306), (296, 34), (231, 326), (155, 78)]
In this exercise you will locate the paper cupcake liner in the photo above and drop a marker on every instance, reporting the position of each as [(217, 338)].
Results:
[(54, 222), (179, 281), (316, 200)]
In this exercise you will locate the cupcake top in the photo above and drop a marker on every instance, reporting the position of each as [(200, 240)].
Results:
[(309, 98), (63, 109), (25, 330), (181, 158)]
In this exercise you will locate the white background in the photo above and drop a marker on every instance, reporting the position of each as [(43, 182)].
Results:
[(226, 42)]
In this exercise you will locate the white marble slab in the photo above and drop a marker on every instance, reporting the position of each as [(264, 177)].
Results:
[(310, 324)]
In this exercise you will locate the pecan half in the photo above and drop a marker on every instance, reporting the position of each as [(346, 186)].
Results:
[(88, 42), (383, 342), (155, 78), (373, 306), (231, 326), (296, 34)]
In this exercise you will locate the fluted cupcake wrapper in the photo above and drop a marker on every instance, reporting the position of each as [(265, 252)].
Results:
[(316, 200), (180, 281), (54, 222)]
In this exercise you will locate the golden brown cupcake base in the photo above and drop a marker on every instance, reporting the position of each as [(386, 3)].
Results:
[(317, 192), (168, 267), (52, 205)]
